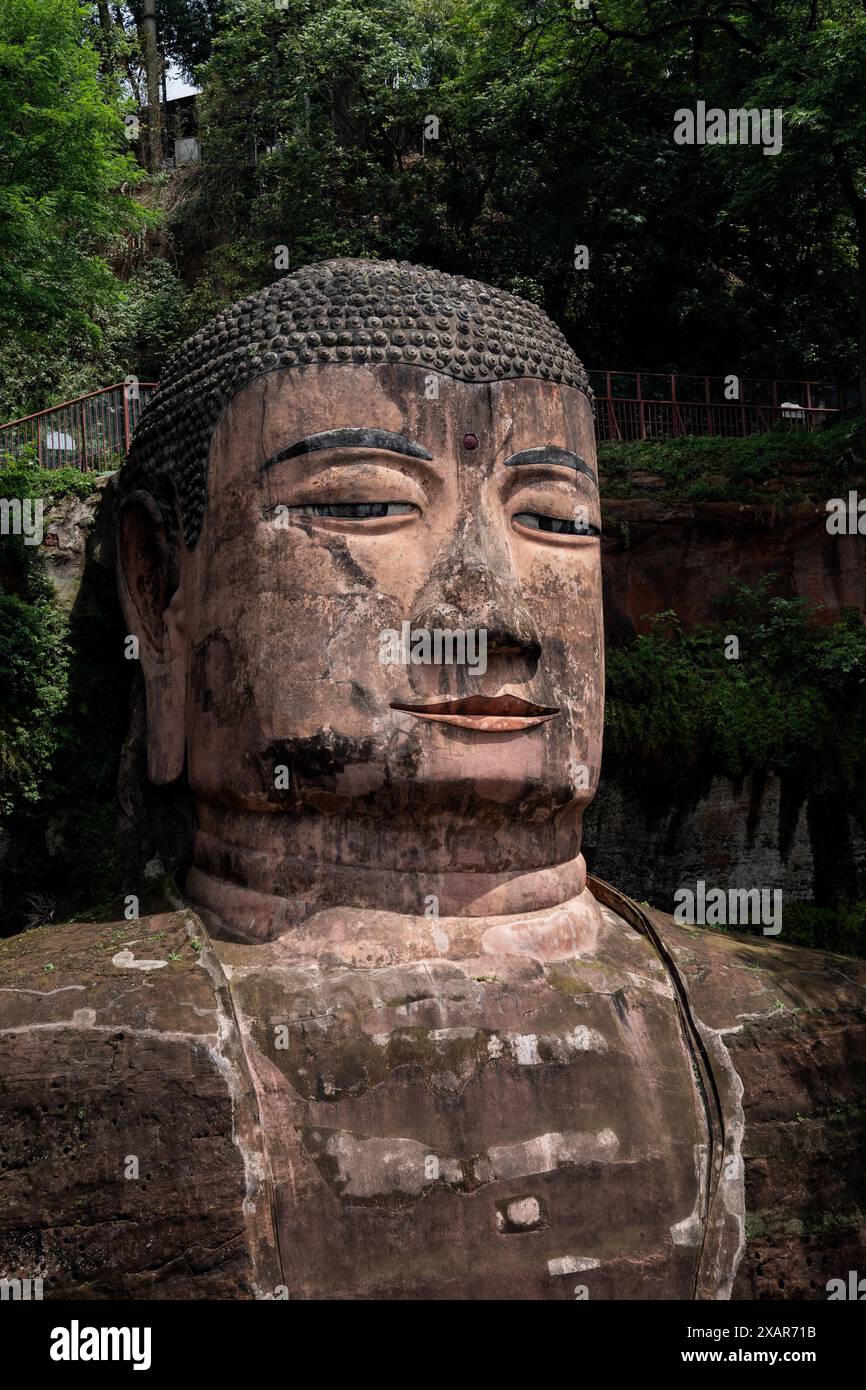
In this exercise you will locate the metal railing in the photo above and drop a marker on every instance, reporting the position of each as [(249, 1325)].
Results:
[(91, 433), (655, 405)]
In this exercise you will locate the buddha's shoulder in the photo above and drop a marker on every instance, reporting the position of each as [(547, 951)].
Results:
[(783, 1030), (787, 1025), (791, 1018), (118, 1099), (737, 980), (734, 980)]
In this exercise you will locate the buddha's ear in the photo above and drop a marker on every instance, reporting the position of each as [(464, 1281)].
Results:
[(153, 608)]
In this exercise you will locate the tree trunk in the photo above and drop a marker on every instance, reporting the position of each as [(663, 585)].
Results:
[(106, 38), (151, 67)]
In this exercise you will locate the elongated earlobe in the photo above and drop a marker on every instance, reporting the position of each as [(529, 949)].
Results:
[(153, 606)]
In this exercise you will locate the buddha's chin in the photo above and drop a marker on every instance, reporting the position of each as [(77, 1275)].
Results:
[(480, 791), (436, 768), (416, 806), (505, 774)]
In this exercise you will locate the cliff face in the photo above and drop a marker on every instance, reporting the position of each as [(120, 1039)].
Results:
[(660, 555), (664, 554), (757, 832), (72, 541)]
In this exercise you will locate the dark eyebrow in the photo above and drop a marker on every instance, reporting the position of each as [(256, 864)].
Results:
[(551, 453), (347, 439)]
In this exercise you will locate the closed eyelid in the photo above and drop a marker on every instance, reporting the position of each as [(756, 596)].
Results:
[(546, 486), (353, 477)]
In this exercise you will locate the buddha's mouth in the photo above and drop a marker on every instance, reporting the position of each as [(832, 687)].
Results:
[(493, 714)]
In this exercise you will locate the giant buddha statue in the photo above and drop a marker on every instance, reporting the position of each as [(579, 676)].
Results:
[(389, 1040)]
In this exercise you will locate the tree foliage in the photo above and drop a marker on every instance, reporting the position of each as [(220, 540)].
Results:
[(63, 159), (555, 129)]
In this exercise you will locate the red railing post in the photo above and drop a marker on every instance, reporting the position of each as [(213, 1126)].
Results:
[(641, 405), (613, 423), (127, 433)]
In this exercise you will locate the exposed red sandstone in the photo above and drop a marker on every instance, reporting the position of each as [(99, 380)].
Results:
[(660, 555), (539, 1087)]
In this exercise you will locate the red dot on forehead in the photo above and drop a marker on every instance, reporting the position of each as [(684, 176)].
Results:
[(470, 441)]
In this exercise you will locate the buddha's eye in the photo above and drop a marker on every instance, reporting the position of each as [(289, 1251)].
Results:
[(355, 511), (559, 525)]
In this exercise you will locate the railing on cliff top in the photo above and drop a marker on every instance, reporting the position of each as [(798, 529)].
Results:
[(656, 405), (93, 432)]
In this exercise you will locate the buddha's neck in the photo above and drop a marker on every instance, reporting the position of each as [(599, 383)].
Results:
[(265, 874)]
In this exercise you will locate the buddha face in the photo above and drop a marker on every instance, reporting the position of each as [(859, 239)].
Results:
[(350, 509)]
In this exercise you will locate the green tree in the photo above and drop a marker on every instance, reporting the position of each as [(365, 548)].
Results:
[(806, 58), (555, 129), (63, 162), (312, 123)]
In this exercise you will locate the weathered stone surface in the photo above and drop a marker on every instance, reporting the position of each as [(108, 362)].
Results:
[(793, 1024), (77, 535), (111, 1048), (660, 555), (759, 830), (269, 653), (408, 1104), (510, 1126)]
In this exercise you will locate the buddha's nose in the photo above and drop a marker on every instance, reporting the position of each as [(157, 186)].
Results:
[(473, 584)]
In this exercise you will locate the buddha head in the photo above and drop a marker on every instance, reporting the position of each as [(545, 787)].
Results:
[(358, 540)]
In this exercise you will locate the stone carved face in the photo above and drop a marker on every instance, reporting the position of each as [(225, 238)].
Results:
[(270, 653)]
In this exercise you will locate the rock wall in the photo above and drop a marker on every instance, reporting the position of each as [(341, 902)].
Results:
[(683, 556), (659, 555), (72, 540), (756, 833)]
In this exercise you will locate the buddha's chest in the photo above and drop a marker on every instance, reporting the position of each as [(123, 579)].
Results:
[(487, 1129)]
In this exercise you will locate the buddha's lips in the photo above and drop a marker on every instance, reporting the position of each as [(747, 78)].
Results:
[(494, 714)]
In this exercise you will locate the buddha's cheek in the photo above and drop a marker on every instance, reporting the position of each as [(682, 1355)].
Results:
[(287, 669), (564, 594)]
